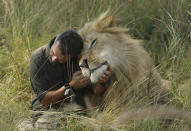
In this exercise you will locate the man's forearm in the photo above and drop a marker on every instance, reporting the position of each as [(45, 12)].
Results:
[(53, 97), (98, 89)]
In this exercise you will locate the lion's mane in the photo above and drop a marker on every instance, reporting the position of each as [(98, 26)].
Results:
[(134, 78)]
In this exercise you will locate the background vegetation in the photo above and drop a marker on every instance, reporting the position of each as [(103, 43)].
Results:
[(25, 25)]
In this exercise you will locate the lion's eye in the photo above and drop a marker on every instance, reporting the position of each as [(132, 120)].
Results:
[(92, 44)]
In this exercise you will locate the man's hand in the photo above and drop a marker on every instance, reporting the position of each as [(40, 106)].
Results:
[(105, 77), (79, 81), (98, 88)]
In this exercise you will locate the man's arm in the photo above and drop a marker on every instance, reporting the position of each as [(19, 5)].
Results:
[(78, 81), (52, 97), (99, 88)]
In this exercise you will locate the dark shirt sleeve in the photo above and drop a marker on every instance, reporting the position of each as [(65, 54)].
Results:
[(37, 77)]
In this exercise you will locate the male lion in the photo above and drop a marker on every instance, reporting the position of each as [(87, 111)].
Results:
[(134, 79)]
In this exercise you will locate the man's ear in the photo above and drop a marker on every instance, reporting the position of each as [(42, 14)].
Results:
[(104, 22), (53, 40)]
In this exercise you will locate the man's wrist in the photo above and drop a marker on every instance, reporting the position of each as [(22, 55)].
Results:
[(68, 91), (106, 83), (71, 84)]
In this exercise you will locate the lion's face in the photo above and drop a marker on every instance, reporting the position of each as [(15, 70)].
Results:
[(95, 57), (104, 42)]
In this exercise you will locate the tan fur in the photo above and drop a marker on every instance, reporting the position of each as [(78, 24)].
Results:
[(133, 73)]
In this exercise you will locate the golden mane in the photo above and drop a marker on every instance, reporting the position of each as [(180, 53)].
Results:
[(132, 67)]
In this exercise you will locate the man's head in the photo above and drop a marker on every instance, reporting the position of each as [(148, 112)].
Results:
[(67, 45)]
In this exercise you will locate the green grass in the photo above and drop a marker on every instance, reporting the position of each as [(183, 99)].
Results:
[(28, 24)]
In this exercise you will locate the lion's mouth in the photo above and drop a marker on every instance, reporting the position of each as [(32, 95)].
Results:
[(94, 73), (85, 65), (96, 68)]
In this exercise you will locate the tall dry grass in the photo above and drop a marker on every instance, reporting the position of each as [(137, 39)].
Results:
[(27, 24)]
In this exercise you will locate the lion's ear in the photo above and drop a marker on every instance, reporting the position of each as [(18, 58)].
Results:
[(105, 21), (108, 21)]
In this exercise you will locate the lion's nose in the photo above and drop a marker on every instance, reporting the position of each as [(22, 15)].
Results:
[(84, 63)]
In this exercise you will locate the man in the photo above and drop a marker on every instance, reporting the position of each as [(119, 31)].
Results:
[(55, 74)]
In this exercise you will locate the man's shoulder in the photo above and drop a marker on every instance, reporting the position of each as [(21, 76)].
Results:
[(39, 54)]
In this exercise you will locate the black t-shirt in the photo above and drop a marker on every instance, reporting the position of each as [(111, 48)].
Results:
[(46, 76)]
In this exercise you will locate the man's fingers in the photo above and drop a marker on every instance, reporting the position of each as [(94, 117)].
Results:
[(77, 73), (107, 73), (85, 82), (108, 67), (81, 76), (86, 79), (103, 78)]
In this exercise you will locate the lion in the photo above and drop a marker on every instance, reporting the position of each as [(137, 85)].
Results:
[(134, 77)]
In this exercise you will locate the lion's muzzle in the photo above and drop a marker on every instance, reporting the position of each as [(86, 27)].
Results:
[(94, 73)]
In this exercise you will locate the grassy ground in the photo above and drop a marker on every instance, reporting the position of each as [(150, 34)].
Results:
[(27, 24)]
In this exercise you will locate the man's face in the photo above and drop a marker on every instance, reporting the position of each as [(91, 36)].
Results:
[(56, 54)]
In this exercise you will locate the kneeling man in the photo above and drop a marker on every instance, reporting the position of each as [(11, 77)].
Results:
[(55, 74)]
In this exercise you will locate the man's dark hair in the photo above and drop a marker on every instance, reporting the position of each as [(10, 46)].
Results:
[(70, 42)]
